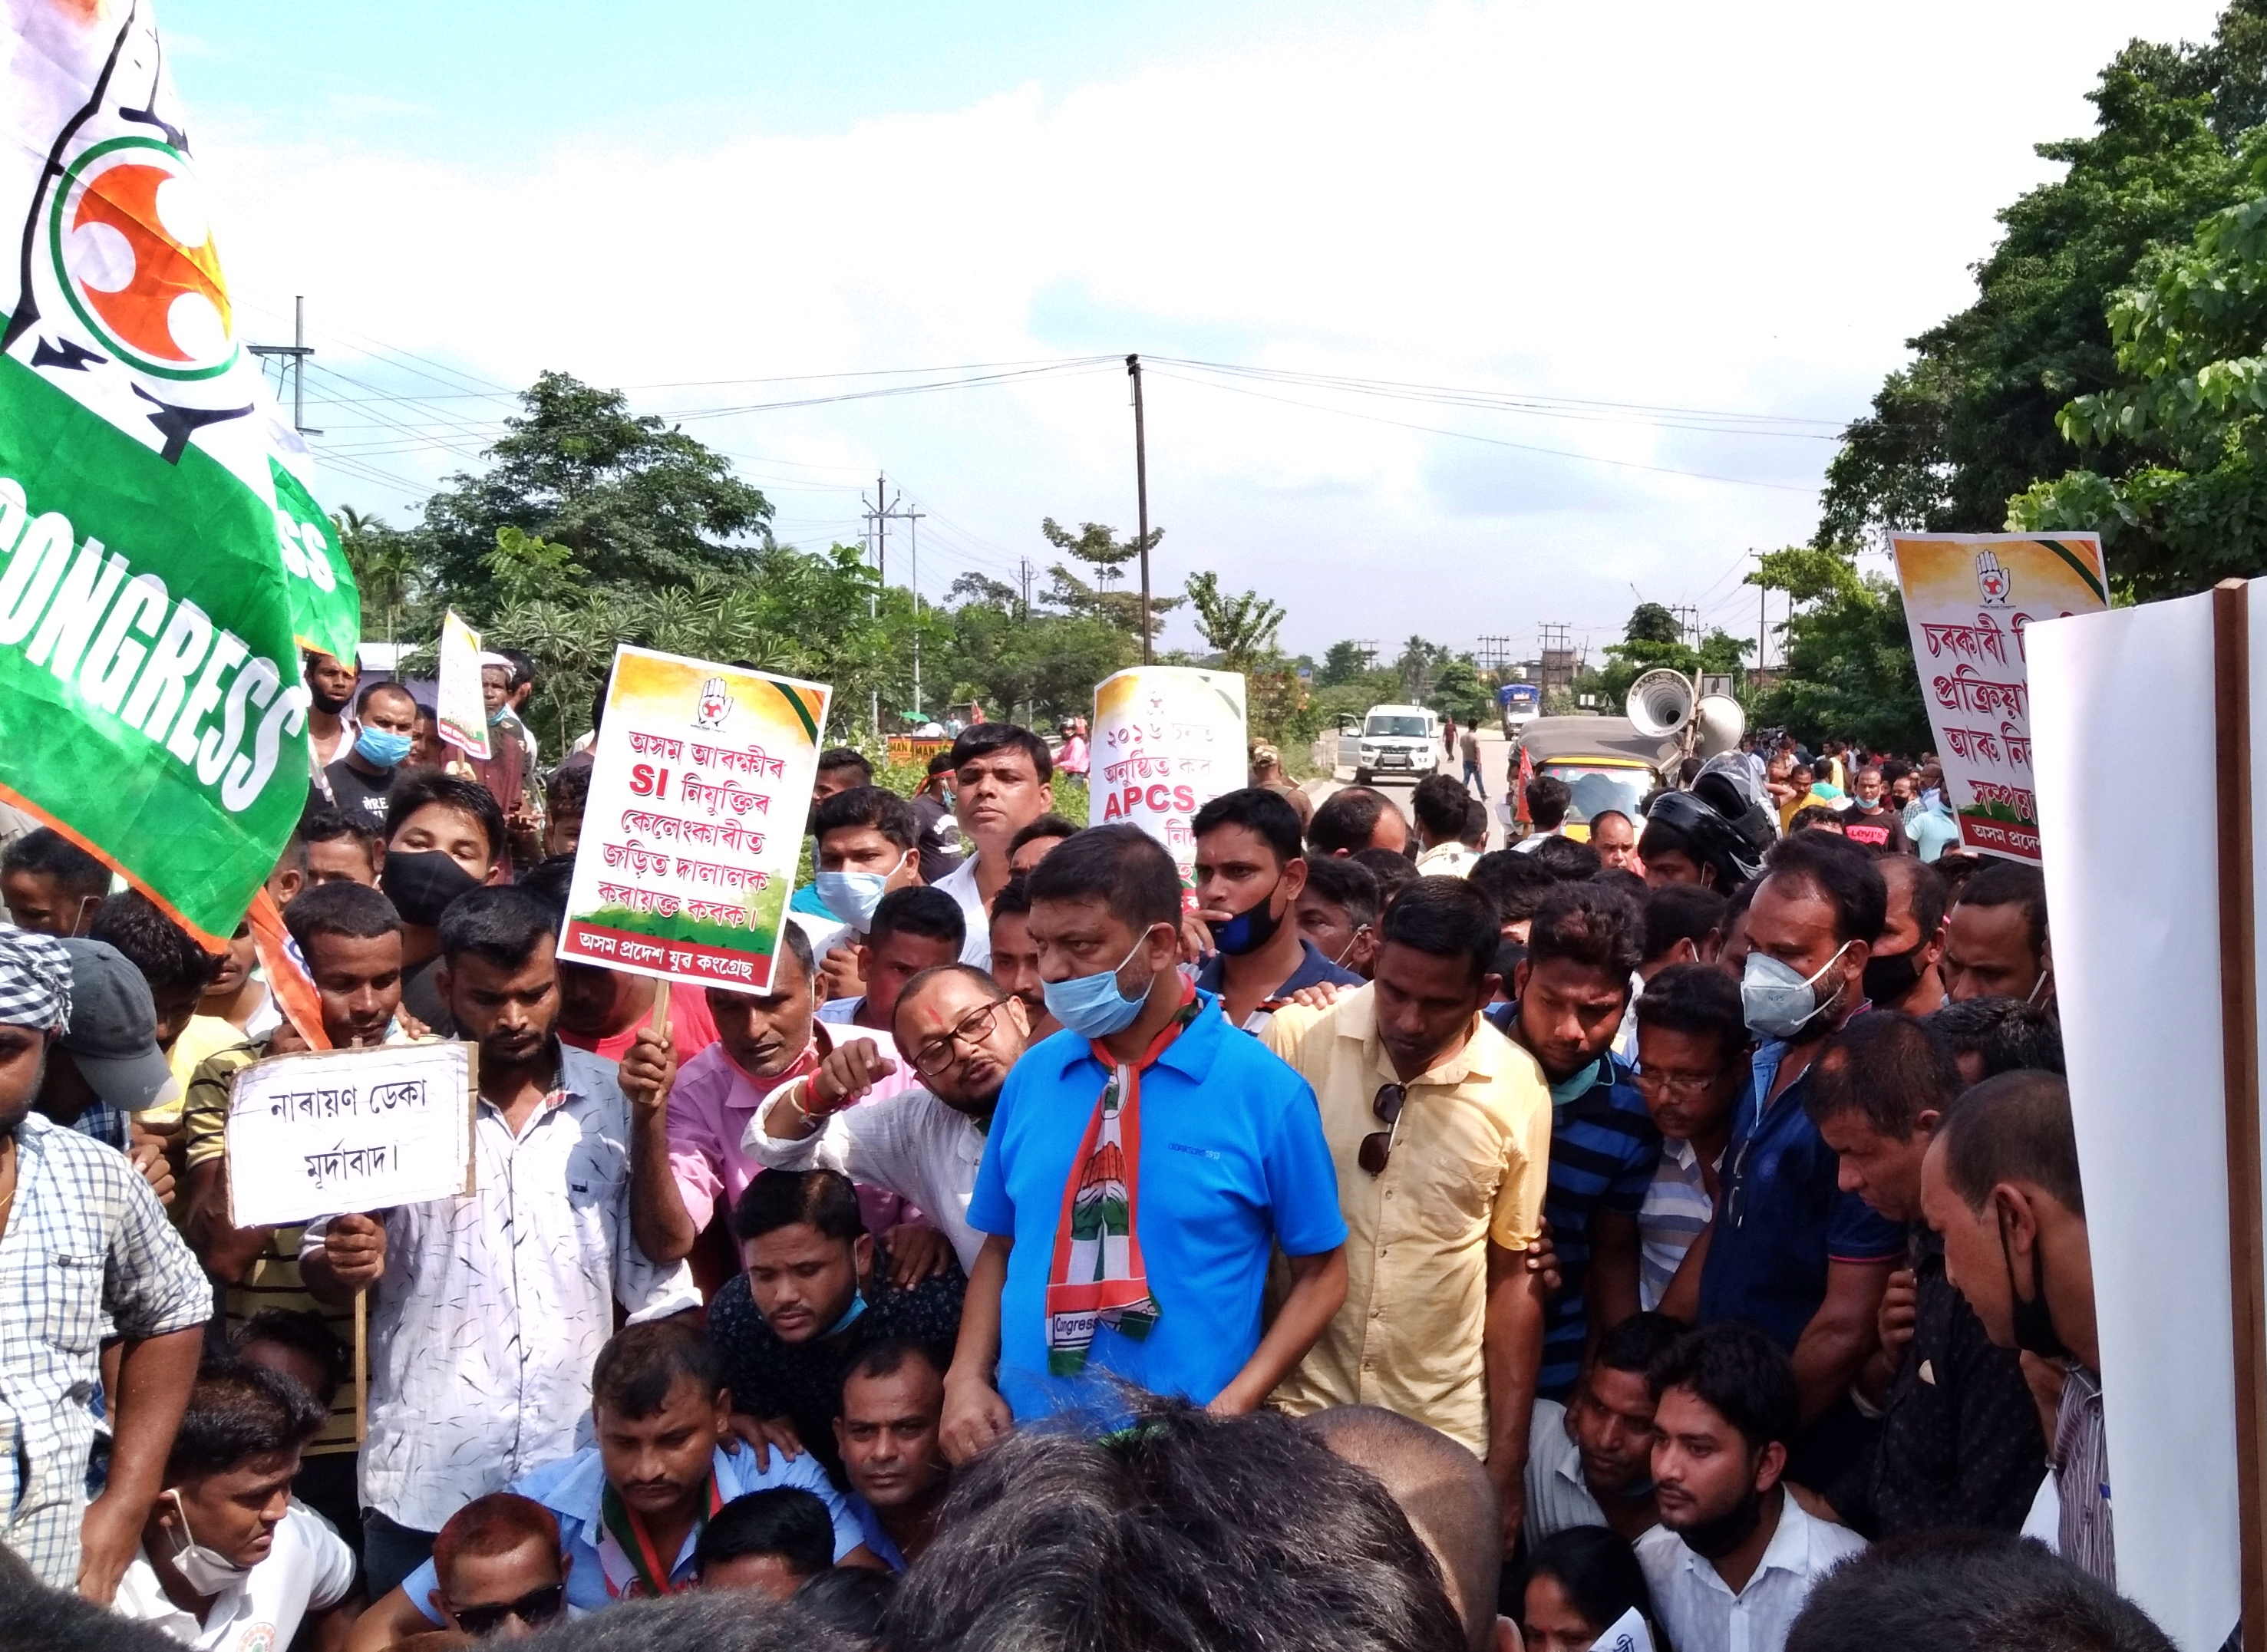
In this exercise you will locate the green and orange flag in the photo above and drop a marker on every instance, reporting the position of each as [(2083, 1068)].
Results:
[(163, 559)]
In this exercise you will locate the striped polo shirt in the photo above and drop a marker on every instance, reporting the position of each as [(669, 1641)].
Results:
[(1603, 1152)]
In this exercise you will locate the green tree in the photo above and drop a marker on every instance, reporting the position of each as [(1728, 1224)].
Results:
[(385, 563), (2188, 506), (1100, 595), (1459, 692), (1342, 663), (1650, 622), (1849, 662), (1972, 420), (638, 502), (1241, 629), (1419, 663)]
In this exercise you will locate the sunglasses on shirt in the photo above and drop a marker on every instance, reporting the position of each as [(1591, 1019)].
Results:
[(536, 1608), (1377, 1146)]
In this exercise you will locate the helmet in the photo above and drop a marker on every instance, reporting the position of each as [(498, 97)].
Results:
[(1731, 846)]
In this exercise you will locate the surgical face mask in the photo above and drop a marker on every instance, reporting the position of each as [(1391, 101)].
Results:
[(2034, 1324), (1248, 930), (853, 896), (381, 746), (1353, 941), (207, 1571), (421, 885), (1890, 976), (1775, 1002), (1093, 1006)]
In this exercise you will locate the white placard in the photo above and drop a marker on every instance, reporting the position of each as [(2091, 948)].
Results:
[(1627, 1635), (462, 712), (2134, 919), (320, 1133), (1167, 740)]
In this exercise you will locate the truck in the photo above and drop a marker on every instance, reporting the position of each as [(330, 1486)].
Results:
[(1519, 704), (1397, 741)]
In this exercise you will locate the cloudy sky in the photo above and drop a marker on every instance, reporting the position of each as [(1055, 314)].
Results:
[(1612, 276)]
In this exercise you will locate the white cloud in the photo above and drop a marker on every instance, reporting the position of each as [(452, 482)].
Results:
[(1654, 203)]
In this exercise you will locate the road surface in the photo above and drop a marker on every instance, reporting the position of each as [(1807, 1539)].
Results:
[(1494, 751)]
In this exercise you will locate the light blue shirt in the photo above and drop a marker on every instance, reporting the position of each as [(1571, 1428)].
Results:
[(573, 1488)]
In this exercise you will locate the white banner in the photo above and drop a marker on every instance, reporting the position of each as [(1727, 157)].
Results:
[(325, 1131)]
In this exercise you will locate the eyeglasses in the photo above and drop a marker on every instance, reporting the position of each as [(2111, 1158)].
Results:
[(1653, 1080), (973, 1029), (1377, 1146), (536, 1608)]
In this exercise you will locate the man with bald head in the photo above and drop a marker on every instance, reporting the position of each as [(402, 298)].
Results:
[(959, 1030), (1445, 1494)]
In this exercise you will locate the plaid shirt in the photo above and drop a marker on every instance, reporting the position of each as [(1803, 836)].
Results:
[(88, 1253)]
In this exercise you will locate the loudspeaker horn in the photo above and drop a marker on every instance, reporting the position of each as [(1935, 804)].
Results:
[(1718, 724), (1659, 702)]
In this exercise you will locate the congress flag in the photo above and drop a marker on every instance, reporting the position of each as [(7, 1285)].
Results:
[(163, 559)]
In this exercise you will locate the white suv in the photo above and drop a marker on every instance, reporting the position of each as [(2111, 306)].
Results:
[(1396, 740)]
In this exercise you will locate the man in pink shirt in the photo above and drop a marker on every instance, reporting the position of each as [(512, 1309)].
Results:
[(686, 1153)]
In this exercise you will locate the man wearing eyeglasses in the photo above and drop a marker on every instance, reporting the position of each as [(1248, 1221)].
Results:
[(958, 1031), (1440, 1129)]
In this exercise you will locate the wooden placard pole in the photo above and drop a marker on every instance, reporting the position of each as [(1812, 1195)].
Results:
[(2239, 1008)]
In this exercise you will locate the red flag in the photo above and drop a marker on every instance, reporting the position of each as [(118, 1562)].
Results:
[(286, 970), (1526, 774)]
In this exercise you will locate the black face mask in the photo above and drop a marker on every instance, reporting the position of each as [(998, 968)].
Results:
[(1250, 930), (422, 885), (2034, 1323), (1712, 1539), (1890, 976)]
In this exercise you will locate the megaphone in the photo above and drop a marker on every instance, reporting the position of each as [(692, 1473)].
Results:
[(1660, 703), (1718, 724)]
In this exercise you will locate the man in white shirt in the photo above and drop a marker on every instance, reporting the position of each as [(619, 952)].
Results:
[(227, 1560), (1589, 1462), (1003, 780), (1734, 1557), (1548, 799), (494, 1306), (1439, 803), (960, 1031)]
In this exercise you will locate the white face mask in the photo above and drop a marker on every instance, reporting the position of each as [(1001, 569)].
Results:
[(206, 1570), (1775, 1001), (853, 896)]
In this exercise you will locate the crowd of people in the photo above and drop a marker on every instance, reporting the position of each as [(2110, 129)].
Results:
[(1667, 1226)]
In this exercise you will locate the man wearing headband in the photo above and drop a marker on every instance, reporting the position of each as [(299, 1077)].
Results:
[(93, 1256)]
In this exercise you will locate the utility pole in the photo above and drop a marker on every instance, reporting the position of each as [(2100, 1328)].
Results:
[(296, 354), (878, 517), (1024, 577), (1762, 624), (1141, 487)]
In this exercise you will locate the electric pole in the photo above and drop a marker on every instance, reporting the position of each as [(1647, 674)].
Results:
[(1023, 576), (1763, 631), (878, 517), (296, 354), (1141, 488)]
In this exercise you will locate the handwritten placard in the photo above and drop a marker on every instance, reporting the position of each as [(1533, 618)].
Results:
[(1167, 740), (699, 784), (462, 713), (323, 1131), (1969, 599)]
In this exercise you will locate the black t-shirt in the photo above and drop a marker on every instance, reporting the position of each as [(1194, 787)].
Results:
[(1883, 830), (421, 998), (803, 1382), (358, 795), (940, 838)]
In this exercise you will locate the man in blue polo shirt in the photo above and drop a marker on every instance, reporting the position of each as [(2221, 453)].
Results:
[(1141, 1165), (1585, 942), (1787, 1250), (1249, 873)]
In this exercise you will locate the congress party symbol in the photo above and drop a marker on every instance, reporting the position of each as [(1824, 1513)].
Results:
[(134, 256)]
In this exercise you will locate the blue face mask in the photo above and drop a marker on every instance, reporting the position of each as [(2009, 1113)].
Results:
[(381, 746), (853, 896), (1092, 1006)]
